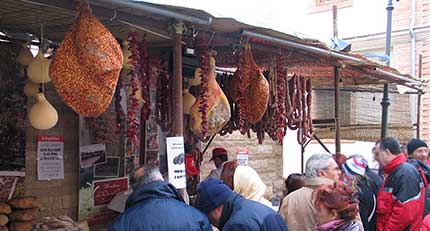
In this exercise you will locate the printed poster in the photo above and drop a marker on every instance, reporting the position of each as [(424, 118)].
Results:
[(50, 162), (91, 155), (105, 190), (176, 161)]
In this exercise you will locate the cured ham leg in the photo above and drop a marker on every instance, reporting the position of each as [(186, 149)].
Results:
[(218, 108)]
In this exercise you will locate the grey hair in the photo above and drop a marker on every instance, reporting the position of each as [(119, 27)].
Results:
[(316, 163), (150, 173)]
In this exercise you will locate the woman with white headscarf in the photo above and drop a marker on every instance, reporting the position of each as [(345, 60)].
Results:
[(246, 181)]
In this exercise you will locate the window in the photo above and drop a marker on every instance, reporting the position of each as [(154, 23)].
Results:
[(327, 5)]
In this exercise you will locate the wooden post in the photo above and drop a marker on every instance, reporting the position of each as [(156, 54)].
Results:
[(177, 113)]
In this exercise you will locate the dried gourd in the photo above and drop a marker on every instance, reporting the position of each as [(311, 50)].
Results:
[(43, 115), (38, 70)]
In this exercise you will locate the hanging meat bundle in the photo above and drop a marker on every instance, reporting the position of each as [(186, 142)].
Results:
[(250, 89), (86, 66), (211, 106)]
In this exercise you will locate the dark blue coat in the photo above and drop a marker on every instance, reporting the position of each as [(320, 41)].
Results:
[(158, 206), (240, 214)]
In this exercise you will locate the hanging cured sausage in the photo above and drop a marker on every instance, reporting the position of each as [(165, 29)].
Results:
[(216, 108), (300, 103)]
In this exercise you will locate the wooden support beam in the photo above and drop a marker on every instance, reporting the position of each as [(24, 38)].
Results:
[(177, 113)]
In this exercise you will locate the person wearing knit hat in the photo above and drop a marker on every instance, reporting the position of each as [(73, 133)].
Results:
[(228, 210), (418, 149), (355, 173), (354, 167)]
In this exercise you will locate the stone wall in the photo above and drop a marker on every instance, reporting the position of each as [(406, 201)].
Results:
[(57, 197), (265, 158)]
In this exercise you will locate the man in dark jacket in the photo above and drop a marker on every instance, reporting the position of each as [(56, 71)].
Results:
[(418, 155), (401, 199), (229, 211), (157, 205)]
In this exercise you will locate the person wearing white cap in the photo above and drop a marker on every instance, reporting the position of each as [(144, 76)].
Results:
[(355, 173)]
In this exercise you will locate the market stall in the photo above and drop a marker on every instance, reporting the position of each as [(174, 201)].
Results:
[(121, 83)]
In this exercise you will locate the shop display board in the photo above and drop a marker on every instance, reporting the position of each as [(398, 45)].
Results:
[(176, 161), (102, 164)]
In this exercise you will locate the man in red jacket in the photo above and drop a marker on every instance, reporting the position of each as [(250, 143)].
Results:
[(400, 203)]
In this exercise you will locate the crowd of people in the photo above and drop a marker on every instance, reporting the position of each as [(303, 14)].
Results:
[(335, 193)]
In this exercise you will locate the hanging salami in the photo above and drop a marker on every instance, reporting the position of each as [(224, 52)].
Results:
[(281, 85), (298, 106)]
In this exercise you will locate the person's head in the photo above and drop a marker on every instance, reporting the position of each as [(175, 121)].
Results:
[(322, 165), (334, 202), (418, 149), (219, 156), (227, 174), (294, 181), (354, 168), (146, 174), (386, 150), (248, 183), (211, 195)]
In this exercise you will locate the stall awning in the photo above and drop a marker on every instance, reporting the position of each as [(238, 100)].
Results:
[(307, 57)]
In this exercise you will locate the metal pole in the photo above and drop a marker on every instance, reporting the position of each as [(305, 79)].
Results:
[(336, 88), (336, 108), (335, 34), (385, 99), (420, 69)]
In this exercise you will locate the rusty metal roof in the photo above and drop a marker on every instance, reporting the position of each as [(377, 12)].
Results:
[(119, 16)]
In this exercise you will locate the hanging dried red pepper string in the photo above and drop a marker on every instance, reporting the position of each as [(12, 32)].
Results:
[(144, 80), (118, 108), (163, 103), (204, 88), (133, 103)]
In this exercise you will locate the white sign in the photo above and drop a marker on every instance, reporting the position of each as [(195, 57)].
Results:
[(242, 157), (176, 161), (50, 164)]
